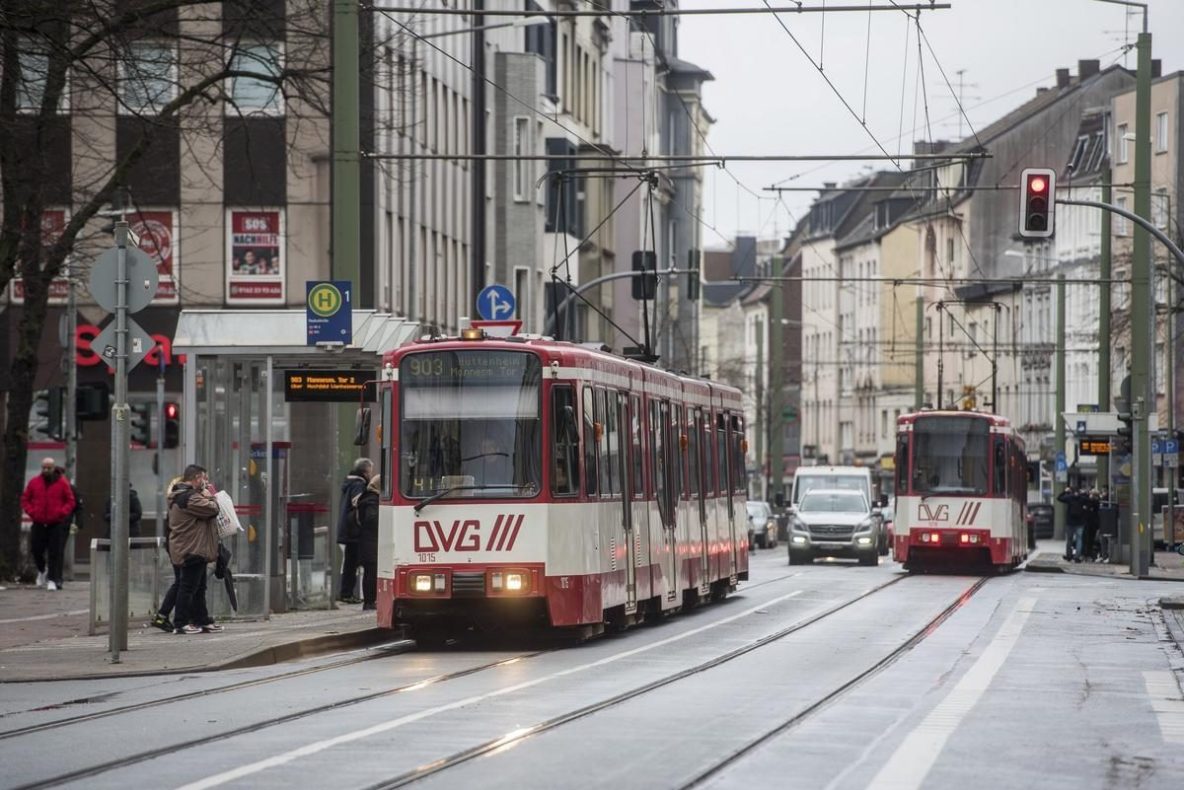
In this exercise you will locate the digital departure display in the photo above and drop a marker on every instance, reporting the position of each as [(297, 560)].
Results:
[(469, 367), (329, 386), (1091, 446)]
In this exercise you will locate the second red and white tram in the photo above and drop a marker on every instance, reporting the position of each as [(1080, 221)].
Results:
[(533, 483), (961, 491)]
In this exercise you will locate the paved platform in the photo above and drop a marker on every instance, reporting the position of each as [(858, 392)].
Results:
[(43, 636), (1168, 565)]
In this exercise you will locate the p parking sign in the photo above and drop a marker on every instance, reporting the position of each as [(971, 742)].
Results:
[(329, 311)]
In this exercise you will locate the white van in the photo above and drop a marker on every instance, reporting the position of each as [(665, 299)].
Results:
[(851, 478)]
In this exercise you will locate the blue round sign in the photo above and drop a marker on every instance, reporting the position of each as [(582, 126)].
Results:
[(496, 303)]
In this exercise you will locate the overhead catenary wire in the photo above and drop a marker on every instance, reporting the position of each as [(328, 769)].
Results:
[(645, 13)]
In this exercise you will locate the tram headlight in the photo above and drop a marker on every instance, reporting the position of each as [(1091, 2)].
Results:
[(421, 582), (515, 582)]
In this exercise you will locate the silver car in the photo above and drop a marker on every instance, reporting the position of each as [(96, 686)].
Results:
[(834, 523), (762, 526)]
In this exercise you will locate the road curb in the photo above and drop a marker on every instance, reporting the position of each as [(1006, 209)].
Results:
[(1030, 568), (305, 648)]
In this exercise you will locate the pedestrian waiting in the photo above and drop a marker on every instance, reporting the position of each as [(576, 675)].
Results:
[(1076, 503), (349, 528), (193, 544)]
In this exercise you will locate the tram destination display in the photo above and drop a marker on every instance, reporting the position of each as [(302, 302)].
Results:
[(329, 386)]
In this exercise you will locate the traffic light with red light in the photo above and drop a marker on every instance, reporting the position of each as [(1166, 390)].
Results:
[(1037, 198), (172, 424)]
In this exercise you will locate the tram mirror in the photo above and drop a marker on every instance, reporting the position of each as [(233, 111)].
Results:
[(362, 426)]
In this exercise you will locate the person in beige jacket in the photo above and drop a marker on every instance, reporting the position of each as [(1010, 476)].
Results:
[(193, 543)]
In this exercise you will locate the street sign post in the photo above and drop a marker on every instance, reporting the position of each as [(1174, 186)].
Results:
[(142, 277), (496, 303), (1157, 452), (1062, 467), (329, 311)]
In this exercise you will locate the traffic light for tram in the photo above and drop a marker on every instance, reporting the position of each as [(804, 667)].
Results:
[(693, 275), (172, 424), (47, 405), (1037, 187), (1125, 440), (645, 286), (140, 422)]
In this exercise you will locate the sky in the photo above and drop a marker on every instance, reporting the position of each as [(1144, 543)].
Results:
[(768, 98)]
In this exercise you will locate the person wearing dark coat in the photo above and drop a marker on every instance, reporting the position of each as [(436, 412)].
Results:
[(348, 527), (1075, 502), (135, 513), (1092, 518), (368, 541)]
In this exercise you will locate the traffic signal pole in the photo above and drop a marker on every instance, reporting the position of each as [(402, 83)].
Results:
[(120, 455), (161, 435), (1104, 326), (71, 406), (1142, 315), (1058, 484)]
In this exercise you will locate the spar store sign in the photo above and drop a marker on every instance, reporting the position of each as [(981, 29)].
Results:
[(86, 357)]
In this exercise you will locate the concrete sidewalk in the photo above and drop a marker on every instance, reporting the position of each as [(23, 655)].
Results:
[(43, 636), (1167, 565)]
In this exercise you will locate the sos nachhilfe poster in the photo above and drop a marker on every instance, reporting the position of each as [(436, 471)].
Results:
[(255, 257)]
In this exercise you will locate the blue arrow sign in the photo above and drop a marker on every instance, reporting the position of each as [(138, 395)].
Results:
[(1061, 465), (496, 302), (1171, 447)]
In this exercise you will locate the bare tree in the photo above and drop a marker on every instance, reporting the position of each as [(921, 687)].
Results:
[(69, 67)]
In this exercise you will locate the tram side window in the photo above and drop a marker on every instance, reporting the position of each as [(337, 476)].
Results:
[(693, 452), (721, 454), (565, 439), (708, 456), (609, 484), (624, 445), (1000, 471), (738, 481), (902, 465), (589, 444), (658, 456), (635, 419), (385, 432)]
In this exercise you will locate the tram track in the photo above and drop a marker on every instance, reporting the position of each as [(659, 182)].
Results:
[(459, 758), (151, 754), (369, 654), (818, 705)]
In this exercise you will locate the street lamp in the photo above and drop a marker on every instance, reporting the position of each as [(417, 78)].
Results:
[(477, 142)]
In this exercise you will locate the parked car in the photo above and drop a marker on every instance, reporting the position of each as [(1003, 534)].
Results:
[(1041, 520), (762, 526)]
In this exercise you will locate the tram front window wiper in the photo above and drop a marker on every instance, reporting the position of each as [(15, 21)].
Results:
[(443, 492)]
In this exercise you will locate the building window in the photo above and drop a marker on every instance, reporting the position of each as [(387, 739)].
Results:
[(540, 39), (33, 64), (521, 166), (1123, 151), (1161, 132), (1121, 223), (1159, 208), (148, 79), (521, 286), (250, 95), (563, 194)]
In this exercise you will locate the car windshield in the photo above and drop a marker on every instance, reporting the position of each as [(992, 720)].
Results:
[(758, 510), (950, 455), (833, 502), (470, 422), (808, 483)]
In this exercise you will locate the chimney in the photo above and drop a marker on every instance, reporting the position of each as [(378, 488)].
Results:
[(1088, 68), (829, 184), (1041, 90), (1156, 68), (1062, 78)]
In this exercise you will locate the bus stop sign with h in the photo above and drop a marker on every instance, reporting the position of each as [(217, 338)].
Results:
[(329, 312)]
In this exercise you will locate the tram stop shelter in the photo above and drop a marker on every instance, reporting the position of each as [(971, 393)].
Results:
[(277, 445)]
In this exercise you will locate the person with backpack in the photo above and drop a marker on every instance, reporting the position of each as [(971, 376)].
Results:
[(349, 527), (366, 511), (135, 513)]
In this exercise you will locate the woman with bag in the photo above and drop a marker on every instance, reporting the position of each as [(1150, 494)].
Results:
[(367, 510)]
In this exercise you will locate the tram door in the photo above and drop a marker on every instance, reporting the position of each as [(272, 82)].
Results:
[(660, 446), (695, 470), (723, 448), (624, 466)]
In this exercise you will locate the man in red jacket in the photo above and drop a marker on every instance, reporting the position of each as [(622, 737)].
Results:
[(49, 502)]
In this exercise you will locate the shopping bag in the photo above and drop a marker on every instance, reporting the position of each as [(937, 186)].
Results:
[(228, 523)]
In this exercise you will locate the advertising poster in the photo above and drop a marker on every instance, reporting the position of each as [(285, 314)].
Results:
[(255, 257), (157, 231)]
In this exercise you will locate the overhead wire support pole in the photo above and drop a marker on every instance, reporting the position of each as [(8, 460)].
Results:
[(643, 13), (120, 446)]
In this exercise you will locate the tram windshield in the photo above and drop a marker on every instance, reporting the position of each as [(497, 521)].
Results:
[(470, 423), (950, 455)]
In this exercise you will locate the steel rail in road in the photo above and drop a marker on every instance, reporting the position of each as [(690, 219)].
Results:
[(162, 751), (842, 690), (370, 653), (459, 758)]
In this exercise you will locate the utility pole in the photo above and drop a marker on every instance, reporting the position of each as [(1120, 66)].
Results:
[(413, 310), (761, 417), (1104, 323), (71, 370), (1142, 315), (941, 353), (160, 436), (919, 366), (1058, 421), (120, 446), (477, 243), (346, 190), (776, 384), (995, 361)]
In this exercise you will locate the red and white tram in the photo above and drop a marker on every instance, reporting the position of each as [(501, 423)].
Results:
[(532, 483), (961, 491)]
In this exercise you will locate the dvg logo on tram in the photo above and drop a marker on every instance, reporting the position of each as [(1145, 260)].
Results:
[(466, 535), (939, 513)]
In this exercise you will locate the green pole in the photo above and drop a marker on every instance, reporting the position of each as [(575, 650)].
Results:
[(1058, 421), (776, 386), (919, 366), (346, 189), (1104, 327), (762, 413), (1142, 318)]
